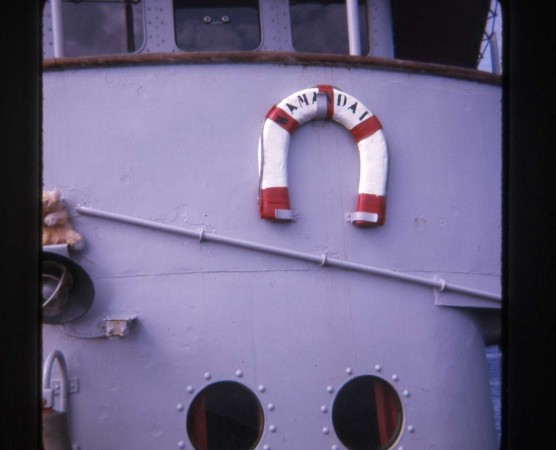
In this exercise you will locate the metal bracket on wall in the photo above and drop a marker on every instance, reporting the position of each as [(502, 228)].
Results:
[(113, 326), (73, 385), (117, 326), (55, 389), (358, 215), (60, 249), (456, 300)]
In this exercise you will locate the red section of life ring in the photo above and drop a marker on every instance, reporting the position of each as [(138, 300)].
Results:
[(322, 102), (274, 199)]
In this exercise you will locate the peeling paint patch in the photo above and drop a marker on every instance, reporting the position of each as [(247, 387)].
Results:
[(156, 431), (102, 413), (420, 223)]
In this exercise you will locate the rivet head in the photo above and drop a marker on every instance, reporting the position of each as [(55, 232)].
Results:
[(225, 19), (349, 370), (324, 408), (181, 444), (239, 373), (411, 428), (406, 393), (329, 389), (378, 368), (395, 377), (401, 448), (207, 19), (272, 428), (190, 389), (262, 388), (266, 447), (271, 406), (325, 430), (334, 447), (180, 407), (207, 376)]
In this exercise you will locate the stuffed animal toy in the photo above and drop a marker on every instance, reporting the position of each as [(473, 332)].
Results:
[(56, 228)]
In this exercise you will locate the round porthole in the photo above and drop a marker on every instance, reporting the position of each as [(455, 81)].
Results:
[(225, 416), (367, 414)]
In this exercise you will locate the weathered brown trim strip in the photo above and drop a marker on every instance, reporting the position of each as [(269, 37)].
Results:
[(287, 58)]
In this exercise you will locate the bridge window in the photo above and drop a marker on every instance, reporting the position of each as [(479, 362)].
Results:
[(455, 33), (225, 415), (217, 25), (92, 27), (490, 56), (367, 414), (320, 26)]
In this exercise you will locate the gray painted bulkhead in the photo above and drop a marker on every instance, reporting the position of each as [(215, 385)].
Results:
[(177, 145)]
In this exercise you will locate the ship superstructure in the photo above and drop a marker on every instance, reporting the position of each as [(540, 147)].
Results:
[(213, 314)]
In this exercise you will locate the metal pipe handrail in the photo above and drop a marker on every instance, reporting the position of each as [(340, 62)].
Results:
[(321, 259), (57, 355), (352, 9), (58, 28)]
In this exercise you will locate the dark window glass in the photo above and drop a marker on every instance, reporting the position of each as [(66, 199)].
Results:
[(225, 416), (321, 26), (439, 31), (213, 25), (367, 414), (100, 27)]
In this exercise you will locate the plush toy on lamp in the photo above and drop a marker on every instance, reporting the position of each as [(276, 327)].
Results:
[(56, 228)]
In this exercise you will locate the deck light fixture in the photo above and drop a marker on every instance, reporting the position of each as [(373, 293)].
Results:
[(67, 289)]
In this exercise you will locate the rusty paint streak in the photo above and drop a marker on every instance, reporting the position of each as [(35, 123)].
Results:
[(287, 58)]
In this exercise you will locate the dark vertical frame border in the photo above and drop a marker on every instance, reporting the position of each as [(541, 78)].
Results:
[(529, 143), (529, 333), (19, 206)]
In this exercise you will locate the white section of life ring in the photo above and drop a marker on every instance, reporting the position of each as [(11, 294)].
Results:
[(299, 108), (301, 105), (276, 160), (373, 164)]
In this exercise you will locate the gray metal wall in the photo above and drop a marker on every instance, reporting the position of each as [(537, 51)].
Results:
[(178, 145)]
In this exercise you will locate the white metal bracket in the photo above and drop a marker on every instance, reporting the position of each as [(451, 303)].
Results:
[(48, 394), (364, 216), (284, 214), (47, 398), (117, 326), (457, 300), (60, 249), (73, 386)]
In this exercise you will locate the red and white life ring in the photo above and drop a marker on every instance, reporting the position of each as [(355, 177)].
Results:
[(322, 102)]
